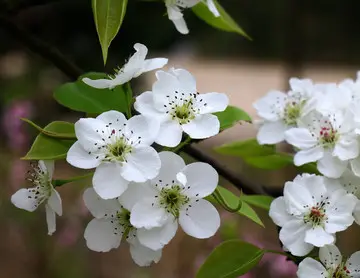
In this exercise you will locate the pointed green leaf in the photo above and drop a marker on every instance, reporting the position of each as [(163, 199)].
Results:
[(247, 211), (259, 201), (108, 17), (80, 97), (48, 148), (270, 162), (231, 116), (223, 22), (230, 259), (246, 148)]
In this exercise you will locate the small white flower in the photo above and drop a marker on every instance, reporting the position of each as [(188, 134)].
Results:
[(329, 139), (132, 69), (42, 192), (332, 265), (177, 194), (118, 148), (309, 214), (175, 103), (280, 111), (112, 223)]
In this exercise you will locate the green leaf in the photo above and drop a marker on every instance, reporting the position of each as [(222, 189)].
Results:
[(247, 148), (108, 17), (232, 200), (270, 162), (80, 97), (48, 148), (223, 22), (231, 116), (247, 211), (230, 259), (259, 201)]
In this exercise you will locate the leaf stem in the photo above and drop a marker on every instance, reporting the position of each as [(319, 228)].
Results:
[(57, 183), (219, 198), (129, 99)]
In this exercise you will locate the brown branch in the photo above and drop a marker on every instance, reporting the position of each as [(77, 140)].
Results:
[(54, 56)]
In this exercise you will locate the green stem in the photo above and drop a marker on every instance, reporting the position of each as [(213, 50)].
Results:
[(178, 147), (219, 198), (129, 99), (58, 183)]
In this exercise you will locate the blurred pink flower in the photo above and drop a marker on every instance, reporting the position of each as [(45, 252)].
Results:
[(17, 173), (279, 266), (69, 233)]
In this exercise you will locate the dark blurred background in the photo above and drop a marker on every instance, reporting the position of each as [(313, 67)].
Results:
[(302, 38)]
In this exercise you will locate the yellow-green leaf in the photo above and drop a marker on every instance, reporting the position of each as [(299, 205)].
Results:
[(108, 17)]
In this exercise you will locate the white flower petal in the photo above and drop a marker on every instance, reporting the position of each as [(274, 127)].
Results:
[(97, 206), (300, 138), (157, 238), (136, 62), (292, 235), (54, 202), (270, 106), (355, 166), (357, 213), (201, 220), (142, 163), (330, 256), (78, 157), (202, 180), (147, 214), (100, 236), (135, 192), (330, 166), (144, 256), (144, 104), (152, 64), (317, 236), (140, 128), (48, 167), (50, 220), (176, 16), (310, 155), (215, 102), (85, 130), (271, 132), (346, 149), (25, 199), (108, 181), (203, 126), (98, 83), (310, 268), (186, 79), (171, 165), (353, 265), (170, 134), (114, 119), (278, 212)]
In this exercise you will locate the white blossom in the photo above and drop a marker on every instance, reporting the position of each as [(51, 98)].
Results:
[(176, 194), (112, 223), (42, 192), (280, 112), (175, 103), (136, 65), (118, 148), (328, 139), (175, 7), (331, 265), (310, 213)]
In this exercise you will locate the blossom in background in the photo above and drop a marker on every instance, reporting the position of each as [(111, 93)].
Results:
[(42, 192), (330, 140), (174, 10), (136, 65), (175, 103), (176, 194), (280, 112), (310, 214), (331, 265), (118, 148), (112, 223)]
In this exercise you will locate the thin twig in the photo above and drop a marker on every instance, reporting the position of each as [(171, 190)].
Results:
[(60, 61)]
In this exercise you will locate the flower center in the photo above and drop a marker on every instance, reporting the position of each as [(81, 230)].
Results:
[(292, 112), (340, 272), (123, 217), (42, 183), (328, 136), (316, 216), (118, 150), (173, 200), (184, 113)]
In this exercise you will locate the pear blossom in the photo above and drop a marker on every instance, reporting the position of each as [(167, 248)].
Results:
[(176, 194), (42, 192), (310, 213), (119, 149), (177, 106), (331, 265), (280, 112), (111, 224), (175, 7), (136, 66), (328, 139)]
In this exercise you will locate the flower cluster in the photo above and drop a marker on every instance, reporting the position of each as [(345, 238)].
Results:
[(321, 122), (139, 194)]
